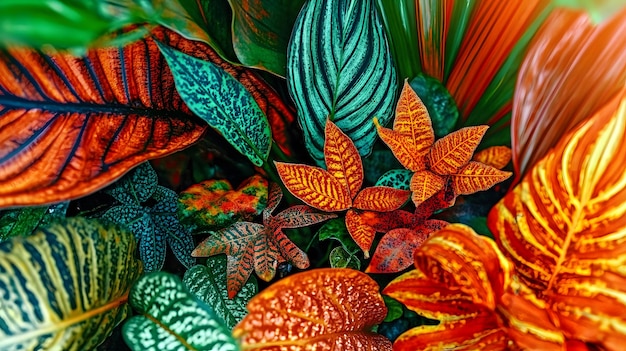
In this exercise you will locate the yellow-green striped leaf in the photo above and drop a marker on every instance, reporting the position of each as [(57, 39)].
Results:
[(65, 287)]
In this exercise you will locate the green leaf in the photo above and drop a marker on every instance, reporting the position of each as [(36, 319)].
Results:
[(65, 287), (172, 318), (23, 221), (208, 283), (340, 258), (136, 187), (394, 309), (261, 32), (336, 229), (223, 102), (339, 67), (396, 178)]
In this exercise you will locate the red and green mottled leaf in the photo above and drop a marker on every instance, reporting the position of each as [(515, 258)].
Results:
[(476, 176), (495, 156), (453, 151), (342, 159), (402, 147), (324, 309), (361, 233), (425, 184), (381, 198), (314, 186)]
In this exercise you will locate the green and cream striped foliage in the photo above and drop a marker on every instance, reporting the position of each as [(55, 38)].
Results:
[(65, 286)]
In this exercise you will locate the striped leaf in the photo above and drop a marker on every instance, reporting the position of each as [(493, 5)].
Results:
[(412, 119), (476, 176), (380, 198), (362, 234), (403, 148), (339, 67), (172, 318), (453, 151), (65, 287), (223, 102), (342, 159), (425, 184), (495, 156)]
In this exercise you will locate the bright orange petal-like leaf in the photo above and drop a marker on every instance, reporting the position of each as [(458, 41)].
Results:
[(476, 176), (342, 159), (322, 309), (381, 199), (402, 147), (425, 184), (360, 231), (412, 119), (314, 186), (453, 151), (495, 156)]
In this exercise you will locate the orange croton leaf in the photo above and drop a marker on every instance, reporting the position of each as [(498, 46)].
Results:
[(361, 233), (412, 119), (322, 309), (453, 151), (563, 228), (380, 198), (425, 184), (401, 147), (342, 159), (476, 176), (495, 156)]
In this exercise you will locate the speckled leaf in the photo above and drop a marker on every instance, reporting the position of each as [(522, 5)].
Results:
[(396, 178), (136, 187), (337, 50), (65, 287), (23, 221), (166, 222), (340, 258), (453, 151), (324, 309), (298, 216), (172, 318), (208, 283), (220, 100), (336, 229), (381, 198)]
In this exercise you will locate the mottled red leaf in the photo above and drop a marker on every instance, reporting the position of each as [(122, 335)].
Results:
[(323, 309), (476, 176), (453, 151), (495, 156), (342, 159), (381, 198), (425, 184)]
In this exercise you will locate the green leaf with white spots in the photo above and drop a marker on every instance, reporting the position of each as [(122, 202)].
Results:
[(135, 187), (340, 258), (208, 283), (65, 286), (396, 178), (223, 102), (339, 67), (23, 221), (172, 318), (336, 229)]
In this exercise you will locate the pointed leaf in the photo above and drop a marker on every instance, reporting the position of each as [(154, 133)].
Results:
[(476, 176), (342, 159), (412, 119), (23, 221), (495, 156), (361, 233), (314, 186), (238, 270), (266, 257), (172, 318), (455, 149), (136, 187), (65, 287), (298, 216), (337, 49), (403, 148), (275, 194), (231, 241), (381, 198), (396, 178), (325, 309), (340, 258), (425, 184), (290, 251)]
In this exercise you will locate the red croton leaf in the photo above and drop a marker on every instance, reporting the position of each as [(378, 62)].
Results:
[(322, 309)]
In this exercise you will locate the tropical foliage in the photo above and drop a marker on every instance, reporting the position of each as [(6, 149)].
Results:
[(275, 167)]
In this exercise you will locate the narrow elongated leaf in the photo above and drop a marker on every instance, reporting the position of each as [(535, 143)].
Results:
[(381, 198), (342, 159), (453, 151), (412, 119), (337, 49), (65, 287), (223, 102), (172, 318), (425, 184), (298, 216), (476, 176), (325, 309), (495, 156)]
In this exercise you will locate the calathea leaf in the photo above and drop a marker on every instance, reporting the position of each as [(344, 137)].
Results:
[(172, 318), (223, 102), (70, 287), (337, 49), (23, 221)]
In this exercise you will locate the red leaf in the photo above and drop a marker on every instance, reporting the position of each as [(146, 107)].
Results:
[(342, 159), (381, 199)]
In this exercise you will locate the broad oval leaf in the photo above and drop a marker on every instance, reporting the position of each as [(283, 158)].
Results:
[(172, 318), (324, 309), (65, 287), (381, 198), (476, 176), (342, 159), (453, 151), (412, 119), (337, 50)]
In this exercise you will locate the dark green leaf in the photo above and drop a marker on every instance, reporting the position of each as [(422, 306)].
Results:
[(339, 67), (394, 309), (396, 178), (172, 318), (136, 187), (340, 258), (220, 100), (336, 229), (23, 221)]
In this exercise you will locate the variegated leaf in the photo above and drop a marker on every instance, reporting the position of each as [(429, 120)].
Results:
[(298, 216), (266, 257), (412, 119), (476, 176), (381, 199), (495, 156), (403, 148), (425, 184), (361, 233), (273, 199), (342, 159), (396, 178), (453, 151), (290, 251)]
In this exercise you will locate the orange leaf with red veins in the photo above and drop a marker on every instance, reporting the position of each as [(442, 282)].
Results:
[(342, 159), (455, 150), (425, 184), (361, 233), (380, 198), (412, 119), (495, 156), (402, 147), (476, 176), (322, 309), (314, 186), (563, 228)]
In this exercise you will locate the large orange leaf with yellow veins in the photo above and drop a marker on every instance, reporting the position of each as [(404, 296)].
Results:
[(453, 151), (342, 158), (321, 309), (401, 146), (564, 228), (412, 119), (494, 156), (476, 176)]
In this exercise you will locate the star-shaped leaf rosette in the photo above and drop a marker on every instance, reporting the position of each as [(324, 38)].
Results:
[(446, 161)]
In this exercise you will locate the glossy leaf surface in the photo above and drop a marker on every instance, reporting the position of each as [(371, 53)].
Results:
[(337, 48), (65, 286), (340, 258), (455, 150), (321, 309), (23, 221)]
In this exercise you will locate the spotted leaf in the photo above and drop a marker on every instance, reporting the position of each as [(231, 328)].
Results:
[(396, 178), (476, 176), (325, 309), (381, 198), (453, 151), (342, 159), (494, 156), (425, 184)]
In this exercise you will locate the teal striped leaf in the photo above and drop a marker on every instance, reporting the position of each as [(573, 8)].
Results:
[(223, 102), (65, 287), (339, 67), (208, 283), (172, 318)]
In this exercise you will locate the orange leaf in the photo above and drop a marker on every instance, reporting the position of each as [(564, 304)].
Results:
[(412, 119), (381, 199), (402, 147), (360, 231), (425, 184), (342, 159), (495, 156), (476, 176), (322, 309), (455, 149), (314, 186)]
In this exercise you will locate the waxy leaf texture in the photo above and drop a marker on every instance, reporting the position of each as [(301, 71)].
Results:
[(322, 309)]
